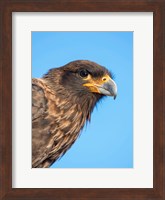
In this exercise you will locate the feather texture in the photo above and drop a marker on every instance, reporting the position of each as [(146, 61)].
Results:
[(60, 107)]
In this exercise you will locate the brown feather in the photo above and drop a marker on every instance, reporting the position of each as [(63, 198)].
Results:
[(60, 108)]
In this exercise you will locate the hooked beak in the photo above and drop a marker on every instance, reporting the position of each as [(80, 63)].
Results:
[(105, 86), (108, 88)]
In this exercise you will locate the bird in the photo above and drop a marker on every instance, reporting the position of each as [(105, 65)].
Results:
[(62, 103)]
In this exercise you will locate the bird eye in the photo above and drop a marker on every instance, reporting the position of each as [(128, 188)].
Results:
[(83, 73)]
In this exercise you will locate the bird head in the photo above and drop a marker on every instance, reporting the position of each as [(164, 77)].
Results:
[(85, 77), (90, 77)]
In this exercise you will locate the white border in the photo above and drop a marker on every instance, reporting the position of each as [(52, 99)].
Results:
[(141, 176)]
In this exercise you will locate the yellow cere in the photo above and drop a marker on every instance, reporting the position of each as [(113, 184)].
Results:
[(93, 83)]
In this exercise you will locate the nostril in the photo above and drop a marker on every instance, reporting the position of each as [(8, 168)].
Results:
[(104, 79)]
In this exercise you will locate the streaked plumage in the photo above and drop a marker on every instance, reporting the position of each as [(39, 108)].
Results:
[(62, 101)]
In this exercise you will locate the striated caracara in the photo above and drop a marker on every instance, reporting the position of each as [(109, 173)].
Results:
[(62, 101)]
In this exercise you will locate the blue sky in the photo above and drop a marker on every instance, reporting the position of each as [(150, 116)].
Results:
[(107, 141)]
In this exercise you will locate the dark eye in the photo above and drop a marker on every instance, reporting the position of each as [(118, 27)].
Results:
[(83, 73)]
